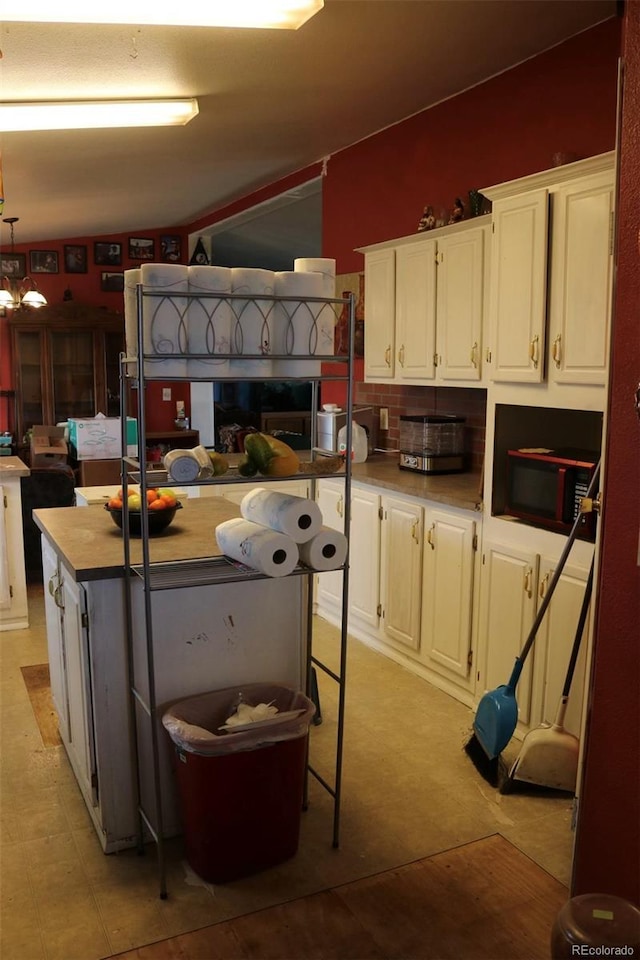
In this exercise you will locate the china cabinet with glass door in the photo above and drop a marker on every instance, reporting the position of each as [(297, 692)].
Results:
[(66, 364)]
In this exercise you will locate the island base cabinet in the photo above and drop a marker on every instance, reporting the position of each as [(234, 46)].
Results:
[(14, 609)]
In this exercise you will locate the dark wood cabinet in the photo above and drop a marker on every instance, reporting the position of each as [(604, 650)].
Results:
[(66, 363)]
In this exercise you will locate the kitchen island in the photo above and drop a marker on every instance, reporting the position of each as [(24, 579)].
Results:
[(205, 638)]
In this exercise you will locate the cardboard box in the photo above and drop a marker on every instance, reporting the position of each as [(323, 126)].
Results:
[(47, 446), (99, 438)]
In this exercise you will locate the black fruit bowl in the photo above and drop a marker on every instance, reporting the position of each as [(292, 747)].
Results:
[(159, 520)]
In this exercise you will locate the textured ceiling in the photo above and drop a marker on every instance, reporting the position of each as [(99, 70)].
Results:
[(271, 102)]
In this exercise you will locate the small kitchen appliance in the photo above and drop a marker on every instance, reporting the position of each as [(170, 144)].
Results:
[(432, 444), (331, 421)]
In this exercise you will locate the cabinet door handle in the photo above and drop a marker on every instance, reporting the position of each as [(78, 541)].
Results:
[(533, 351), (340, 506), (401, 356), (430, 533), (542, 589), (51, 586), (56, 596), (557, 351), (474, 354), (528, 577), (387, 356), (414, 530)]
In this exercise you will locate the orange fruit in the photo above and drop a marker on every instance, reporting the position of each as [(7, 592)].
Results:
[(151, 496), (168, 501), (158, 504), (115, 503)]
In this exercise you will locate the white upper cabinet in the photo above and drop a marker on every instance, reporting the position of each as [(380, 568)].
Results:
[(581, 281), (518, 288), (461, 270), (416, 311), (551, 275), (379, 330), (424, 301)]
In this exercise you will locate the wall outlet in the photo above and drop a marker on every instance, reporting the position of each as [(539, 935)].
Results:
[(384, 418), (166, 393)]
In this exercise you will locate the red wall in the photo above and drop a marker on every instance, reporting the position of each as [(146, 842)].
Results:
[(509, 126), (607, 856)]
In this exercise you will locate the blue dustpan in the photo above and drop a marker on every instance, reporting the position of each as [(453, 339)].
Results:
[(497, 715)]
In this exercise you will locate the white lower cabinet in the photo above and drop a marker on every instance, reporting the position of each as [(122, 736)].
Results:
[(514, 583), (401, 572), (14, 610), (412, 582), (448, 593), (68, 648), (364, 552)]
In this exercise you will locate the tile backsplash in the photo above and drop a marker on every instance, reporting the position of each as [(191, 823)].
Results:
[(467, 402)]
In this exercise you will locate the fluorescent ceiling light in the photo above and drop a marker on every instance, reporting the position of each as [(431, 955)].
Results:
[(96, 113), (286, 14)]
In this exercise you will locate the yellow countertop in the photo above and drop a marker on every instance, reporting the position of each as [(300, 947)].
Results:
[(13, 467), (454, 489)]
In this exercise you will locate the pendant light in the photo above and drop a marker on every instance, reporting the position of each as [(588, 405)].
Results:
[(14, 292)]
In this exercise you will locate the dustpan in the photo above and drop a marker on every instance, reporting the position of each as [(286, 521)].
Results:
[(549, 754)]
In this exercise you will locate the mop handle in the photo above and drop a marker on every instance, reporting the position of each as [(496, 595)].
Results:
[(546, 600), (582, 619)]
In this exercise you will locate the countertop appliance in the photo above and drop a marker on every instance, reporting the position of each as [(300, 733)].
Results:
[(432, 444), (330, 422)]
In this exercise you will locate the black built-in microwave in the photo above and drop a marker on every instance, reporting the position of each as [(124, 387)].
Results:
[(545, 487)]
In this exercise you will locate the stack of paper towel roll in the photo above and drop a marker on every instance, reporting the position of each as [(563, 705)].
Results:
[(277, 530), (214, 324)]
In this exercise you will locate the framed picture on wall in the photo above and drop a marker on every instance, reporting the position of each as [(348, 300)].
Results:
[(75, 258), (13, 265), (170, 249), (141, 248), (107, 254), (112, 282), (43, 261)]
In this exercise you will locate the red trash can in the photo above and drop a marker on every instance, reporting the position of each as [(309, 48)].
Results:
[(240, 790)]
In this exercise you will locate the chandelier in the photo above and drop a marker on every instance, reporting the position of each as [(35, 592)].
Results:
[(15, 292)]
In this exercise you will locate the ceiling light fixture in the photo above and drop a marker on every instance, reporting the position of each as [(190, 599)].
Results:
[(15, 292), (282, 14), (89, 114)]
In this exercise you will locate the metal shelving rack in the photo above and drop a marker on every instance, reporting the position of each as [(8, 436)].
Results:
[(219, 570)]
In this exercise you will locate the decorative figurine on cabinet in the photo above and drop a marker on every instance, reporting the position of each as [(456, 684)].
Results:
[(427, 220), (457, 214)]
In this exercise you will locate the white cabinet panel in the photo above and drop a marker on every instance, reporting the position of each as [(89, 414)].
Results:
[(555, 641), (53, 609), (447, 599), (5, 585), (379, 330), (416, 311), (581, 279), (509, 579), (401, 571), (460, 305), (330, 499), (518, 287), (81, 744)]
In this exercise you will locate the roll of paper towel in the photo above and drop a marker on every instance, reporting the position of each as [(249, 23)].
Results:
[(297, 324), (182, 465), (268, 551), (326, 551), (165, 329), (327, 316), (252, 320), (131, 280), (297, 517), (209, 320)]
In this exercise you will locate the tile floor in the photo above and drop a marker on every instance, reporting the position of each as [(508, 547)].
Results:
[(409, 791)]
